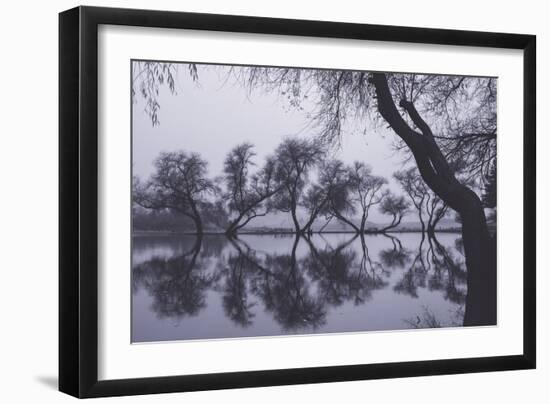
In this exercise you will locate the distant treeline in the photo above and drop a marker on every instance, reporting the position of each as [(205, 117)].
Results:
[(163, 220)]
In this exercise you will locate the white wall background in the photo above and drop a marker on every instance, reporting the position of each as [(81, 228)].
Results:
[(28, 206)]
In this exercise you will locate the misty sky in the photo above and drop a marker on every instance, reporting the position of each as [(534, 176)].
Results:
[(214, 114)]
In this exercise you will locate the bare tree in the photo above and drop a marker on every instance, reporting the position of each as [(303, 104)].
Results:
[(294, 158), (179, 183), (314, 202), (414, 187), (353, 188), (463, 114), (366, 189), (396, 207), (246, 193), (331, 190), (436, 171), (341, 204), (436, 209), (422, 198)]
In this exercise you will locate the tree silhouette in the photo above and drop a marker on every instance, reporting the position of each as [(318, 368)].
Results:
[(335, 178), (366, 190), (314, 202), (396, 207), (436, 209), (439, 176), (414, 187), (246, 194), (294, 158), (422, 198), (179, 183), (351, 189), (329, 194)]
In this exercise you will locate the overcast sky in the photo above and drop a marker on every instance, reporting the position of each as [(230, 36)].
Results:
[(213, 115)]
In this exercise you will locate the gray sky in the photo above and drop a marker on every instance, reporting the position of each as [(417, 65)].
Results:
[(213, 115)]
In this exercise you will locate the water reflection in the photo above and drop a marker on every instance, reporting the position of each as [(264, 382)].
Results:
[(177, 284), (214, 287)]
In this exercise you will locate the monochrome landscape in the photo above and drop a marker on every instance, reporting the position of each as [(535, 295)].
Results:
[(273, 201)]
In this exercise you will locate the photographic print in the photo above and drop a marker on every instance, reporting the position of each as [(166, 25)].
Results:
[(272, 201)]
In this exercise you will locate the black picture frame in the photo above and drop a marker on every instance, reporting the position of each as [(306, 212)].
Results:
[(78, 200)]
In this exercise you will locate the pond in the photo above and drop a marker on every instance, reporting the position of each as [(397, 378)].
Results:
[(185, 287)]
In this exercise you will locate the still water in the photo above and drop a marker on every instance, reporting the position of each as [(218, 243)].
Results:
[(185, 288)]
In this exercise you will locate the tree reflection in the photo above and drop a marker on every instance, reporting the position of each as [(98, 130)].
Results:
[(235, 300), (330, 268), (395, 257), (285, 291), (341, 275), (372, 271), (415, 276), (298, 287), (449, 272), (178, 285), (434, 266)]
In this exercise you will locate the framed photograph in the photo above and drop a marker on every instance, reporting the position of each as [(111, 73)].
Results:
[(251, 201)]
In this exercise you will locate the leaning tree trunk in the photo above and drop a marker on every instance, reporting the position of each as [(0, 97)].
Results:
[(396, 221), (231, 231), (195, 250), (295, 221), (437, 174), (431, 228), (196, 217), (198, 225), (435, 217), (308, 227), (421, 219), (363, 223), (234, 226), (343, 219)]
